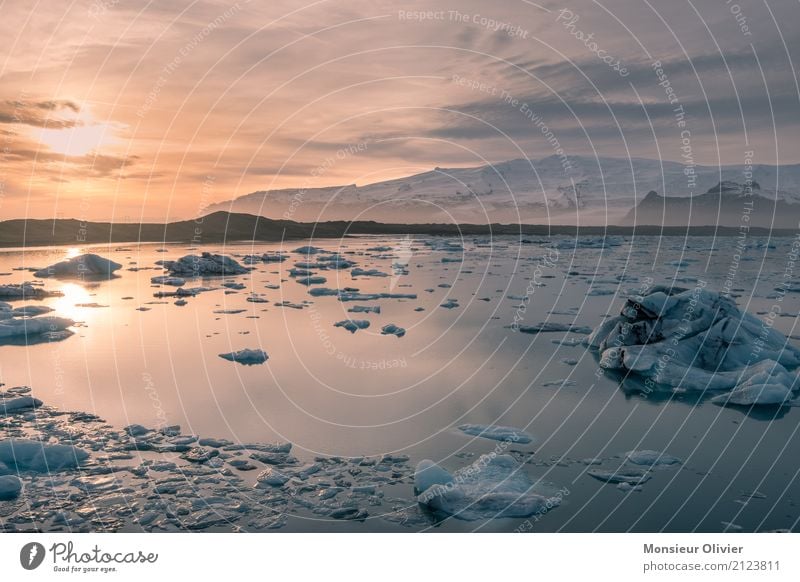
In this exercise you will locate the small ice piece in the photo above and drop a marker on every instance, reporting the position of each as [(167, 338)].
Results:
[(9, 405), (365, 309), (10, 487), (497, 433), (352, 325), (28, 455), (205, 265), (26, 291), (492, 487), (450, 304), (308, 250), (358, 272), (563, 382), (271, 477), (247, 356), (392, 329), (621, 475), (314, 280), (234, 285), (651, 458), (552, 327), (273, 257), (136, 430), (86, 266), (167, 280), (765, 384)]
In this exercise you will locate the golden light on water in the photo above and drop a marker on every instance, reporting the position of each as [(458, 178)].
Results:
[(74, 295)]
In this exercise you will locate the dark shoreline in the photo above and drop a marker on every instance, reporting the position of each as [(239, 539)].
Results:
[(222, 227)]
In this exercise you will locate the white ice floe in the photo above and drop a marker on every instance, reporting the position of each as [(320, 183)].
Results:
[(83, 266), (248, 357), (622, 475), (40, 326), (492, 487), (352, 325), (698, 340), (25, 291), (28, 455), (651, 458), (205, 265), (497, 433)]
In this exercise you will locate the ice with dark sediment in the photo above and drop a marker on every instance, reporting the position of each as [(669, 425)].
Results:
[(392, 329), (551, 327), (492, 487), (87, 266), (696, 339), (204, 265), (358, 272), (352, 325)]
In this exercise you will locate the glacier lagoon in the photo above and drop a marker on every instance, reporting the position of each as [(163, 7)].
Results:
[(494, 332)]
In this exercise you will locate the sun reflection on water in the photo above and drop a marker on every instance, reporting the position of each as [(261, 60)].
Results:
[(74, 295)]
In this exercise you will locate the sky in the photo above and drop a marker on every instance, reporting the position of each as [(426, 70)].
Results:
[(131, 110)]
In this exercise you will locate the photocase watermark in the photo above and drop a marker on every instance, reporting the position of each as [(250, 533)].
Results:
[(748, 206), (549, 504), (487, 22), (99, 8), (741, 20), (568, 19), (152, 393), (320, 170)]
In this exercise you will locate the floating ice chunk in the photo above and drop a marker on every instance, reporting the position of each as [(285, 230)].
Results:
[(497, 433), (308, 250), (621, 475), (450, 304), (308, 281), (27, 455), (167, 280), (273, 257), (552, 327), (492, 487), (234, 285), (248, 357), (9, 405), (83, 266), (271, 477), (205, 265), (696, 340), (766, 383), (31, 311), (10, 487), (651, 458), (357, 272), (40, 326), (392, 329), (352, 325), (26, 291)]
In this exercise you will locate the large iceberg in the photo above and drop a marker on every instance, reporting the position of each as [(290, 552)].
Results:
[(698, 340), (205, 265), (87, 266), (40, 457), (36, 329), (493, 486)]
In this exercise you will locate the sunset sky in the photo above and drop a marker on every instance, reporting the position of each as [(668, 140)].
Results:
[(129, 110)]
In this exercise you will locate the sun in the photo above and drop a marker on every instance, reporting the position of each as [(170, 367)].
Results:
[(79, 140)]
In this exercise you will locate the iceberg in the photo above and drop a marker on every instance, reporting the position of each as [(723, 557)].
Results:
[(698, 340), (205, 265), (248, 357), (87, 266), (10, 487), (492, 487), (9, 405), (44, 327), (497, 433)]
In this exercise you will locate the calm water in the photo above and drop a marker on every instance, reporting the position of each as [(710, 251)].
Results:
[(331, 392)]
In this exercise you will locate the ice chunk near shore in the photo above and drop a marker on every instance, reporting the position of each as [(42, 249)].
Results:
[(352, 325), (40, 457), (205, 265), (87, 266), (358, 272), (497, 433), (492, 487), (651, 458), (167, 280), (697, 340), (248, 357), (17, 404)]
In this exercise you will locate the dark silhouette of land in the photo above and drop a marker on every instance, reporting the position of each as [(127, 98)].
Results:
[(221, 227)]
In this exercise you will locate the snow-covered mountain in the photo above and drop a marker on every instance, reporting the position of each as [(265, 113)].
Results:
[(582, 189)]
